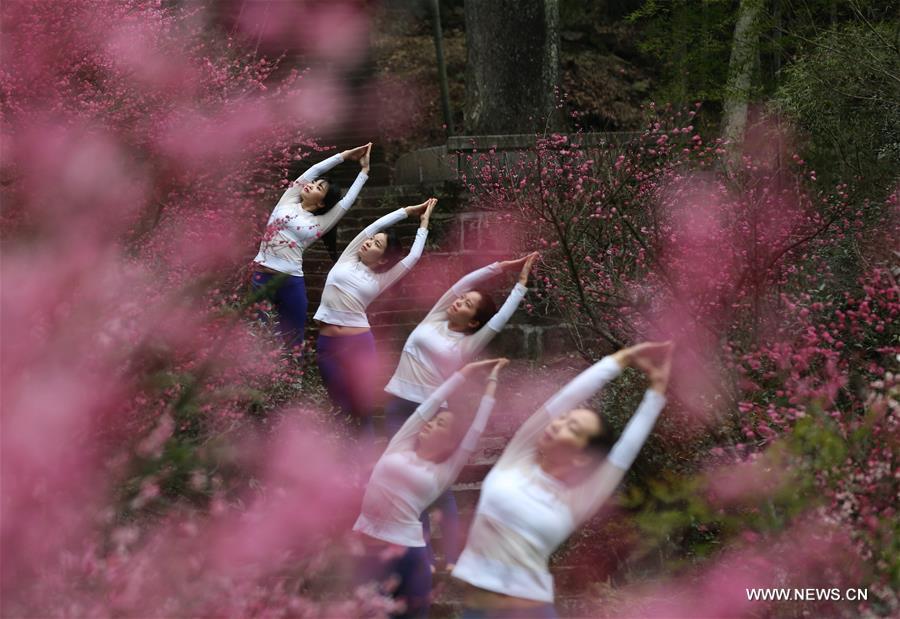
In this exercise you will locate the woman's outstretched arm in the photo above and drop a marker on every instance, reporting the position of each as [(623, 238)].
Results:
[(576, 391), (475, 343), (388, 278), (448, 470), (455, 463), (327, 221), (466, 283), (385, 221), (406, 436), (656, 362), (316, 170)]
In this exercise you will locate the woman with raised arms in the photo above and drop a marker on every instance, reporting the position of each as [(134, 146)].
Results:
[(420, 463), (305, 212), (345, 350), (556, 472), (459, 326)]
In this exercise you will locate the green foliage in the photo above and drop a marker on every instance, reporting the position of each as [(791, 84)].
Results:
[(691, 41), (683, 520), (828, 47), (845, 94), (576, 13)]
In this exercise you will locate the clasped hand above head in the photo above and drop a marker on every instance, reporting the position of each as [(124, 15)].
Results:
[(654, 359), (470, 369), (423, 210), (361, 154), (523, 264)]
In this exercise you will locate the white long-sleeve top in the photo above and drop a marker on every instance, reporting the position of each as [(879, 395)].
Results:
[(433, 351), (291, 229), (351, 286), (403, 485), (524, 514)]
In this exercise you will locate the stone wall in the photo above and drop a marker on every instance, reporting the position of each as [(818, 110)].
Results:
[(450, 162)]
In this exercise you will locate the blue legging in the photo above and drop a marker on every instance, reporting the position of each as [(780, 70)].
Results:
[(288, 294), (349, 365), (412, 568), (396, 412)]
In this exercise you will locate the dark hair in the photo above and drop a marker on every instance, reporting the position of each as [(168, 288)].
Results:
[(458, 431), (393, 251), (331, 198), (600, 443), (485, 310)]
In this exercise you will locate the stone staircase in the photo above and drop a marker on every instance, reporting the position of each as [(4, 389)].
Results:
[(448, 255)]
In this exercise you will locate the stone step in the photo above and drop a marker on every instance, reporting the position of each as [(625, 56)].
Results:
[(362, 216), (397, 312), (386, 191)]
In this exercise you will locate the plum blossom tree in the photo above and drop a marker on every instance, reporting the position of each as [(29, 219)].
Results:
[(779, 293), (141, 152)]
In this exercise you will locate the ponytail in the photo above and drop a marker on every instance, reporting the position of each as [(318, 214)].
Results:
[(332, 197), (330, 240)]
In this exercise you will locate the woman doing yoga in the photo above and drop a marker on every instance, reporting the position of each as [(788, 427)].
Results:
[(555, 473), (462, 322), (304, 213), (346, 348), (419, 464)]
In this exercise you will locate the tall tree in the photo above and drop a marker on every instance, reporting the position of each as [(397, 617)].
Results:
[(744, 53), (512, 66)]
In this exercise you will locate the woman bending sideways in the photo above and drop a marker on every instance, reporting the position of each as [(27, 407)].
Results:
[(556, 472)]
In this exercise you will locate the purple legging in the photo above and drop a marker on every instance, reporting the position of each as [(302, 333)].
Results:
[(544, 611), (349, 368), (288, 294), (412, 569), (396, 412)]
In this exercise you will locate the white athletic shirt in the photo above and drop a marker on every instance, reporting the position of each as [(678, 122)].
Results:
[(524, 514), (290, 229), (403, 485), (351, 286), (433, 351)]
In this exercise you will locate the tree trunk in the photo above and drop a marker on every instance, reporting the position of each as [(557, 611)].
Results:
[(744, 52), (512, 66)]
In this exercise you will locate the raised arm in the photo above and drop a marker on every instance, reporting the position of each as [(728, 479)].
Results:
[(470, 440), (452, 466), (317, 170), (371, 230), (465, 284), (656, 361), (400, 269), (576, 391), (594, 492), (327, 221), (406, 435), (476, 342)]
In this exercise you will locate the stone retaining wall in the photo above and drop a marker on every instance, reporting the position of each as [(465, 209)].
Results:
[(450, 162)]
